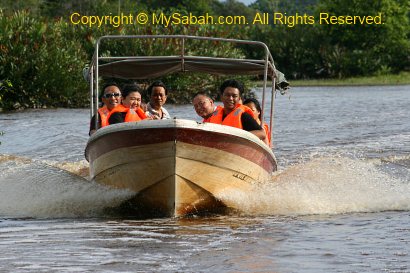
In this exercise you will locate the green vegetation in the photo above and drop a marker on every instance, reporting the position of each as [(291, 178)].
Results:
[(42, 54), (6, 88), (41, 61), (307, 51)]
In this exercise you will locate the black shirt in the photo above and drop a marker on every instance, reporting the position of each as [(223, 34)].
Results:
[(116, 117), (248, 122)]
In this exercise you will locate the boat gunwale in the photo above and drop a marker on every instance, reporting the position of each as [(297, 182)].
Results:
[(228, 131)]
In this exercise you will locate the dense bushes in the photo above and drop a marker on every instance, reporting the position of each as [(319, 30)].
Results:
[(343, 50), (42, 56), (369, 48), (41, 62), (44, 60)]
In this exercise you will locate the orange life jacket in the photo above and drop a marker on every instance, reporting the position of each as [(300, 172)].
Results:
[(141, 113), (216, 109), (130, 116), (233, 119), (104, 112), (266, 128)]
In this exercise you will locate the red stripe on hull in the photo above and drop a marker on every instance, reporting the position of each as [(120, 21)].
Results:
[(228, 143)]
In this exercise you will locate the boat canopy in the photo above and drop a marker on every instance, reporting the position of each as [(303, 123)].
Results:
[(153, 67)]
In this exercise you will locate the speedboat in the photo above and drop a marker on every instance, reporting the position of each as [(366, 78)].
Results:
[(179, 167)]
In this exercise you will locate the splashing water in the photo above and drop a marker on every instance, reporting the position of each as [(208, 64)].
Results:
[(325, 186), (36, 189)]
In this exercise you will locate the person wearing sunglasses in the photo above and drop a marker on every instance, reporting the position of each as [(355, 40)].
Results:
[(111, 97)]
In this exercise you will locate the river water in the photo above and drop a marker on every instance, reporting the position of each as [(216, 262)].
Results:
[(339, 203)]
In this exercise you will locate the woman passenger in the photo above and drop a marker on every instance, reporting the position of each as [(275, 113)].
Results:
[(130, 109), (255, 106)]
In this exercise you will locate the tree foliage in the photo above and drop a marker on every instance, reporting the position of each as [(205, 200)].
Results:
[(41, 61), (365, 49), (337, 51), (44, 59), (42, 54)]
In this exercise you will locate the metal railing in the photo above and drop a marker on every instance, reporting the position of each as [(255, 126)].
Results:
[(267, 62)]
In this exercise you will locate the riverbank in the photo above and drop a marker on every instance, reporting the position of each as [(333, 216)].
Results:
[(402, 78)]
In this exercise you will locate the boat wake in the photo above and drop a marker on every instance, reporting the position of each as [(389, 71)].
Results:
[(323, 185), (330, 186), (39, 190)]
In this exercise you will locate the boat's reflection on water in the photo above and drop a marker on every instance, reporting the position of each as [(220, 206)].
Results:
[(203, 224)]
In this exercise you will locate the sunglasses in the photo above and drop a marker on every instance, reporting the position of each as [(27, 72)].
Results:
[(109, 95)]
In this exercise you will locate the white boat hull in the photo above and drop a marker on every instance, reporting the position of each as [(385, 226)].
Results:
[(178, 167)]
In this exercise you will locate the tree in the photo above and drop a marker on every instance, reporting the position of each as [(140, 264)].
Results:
[(362, 49), (9, 6)]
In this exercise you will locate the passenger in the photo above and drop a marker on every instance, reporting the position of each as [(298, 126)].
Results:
[(130, 109), (204, 105), (131, 94), (234, 114), (158, 96), (111, 97), (255, 106)]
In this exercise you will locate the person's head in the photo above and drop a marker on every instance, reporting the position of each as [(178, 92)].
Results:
[(111, 95), (231, 92), (131, 96), (203, 104), (255, 106), (158, 93)]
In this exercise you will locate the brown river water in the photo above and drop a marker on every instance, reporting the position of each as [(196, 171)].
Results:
[(340, 201)]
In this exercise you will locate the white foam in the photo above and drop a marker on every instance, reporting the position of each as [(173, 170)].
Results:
[(322, 185), (32, 189), (325, 186)]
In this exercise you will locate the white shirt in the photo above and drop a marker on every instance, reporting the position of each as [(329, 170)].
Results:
[(152, 112)]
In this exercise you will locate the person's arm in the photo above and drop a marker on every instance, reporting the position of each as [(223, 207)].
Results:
[(249, 124)]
